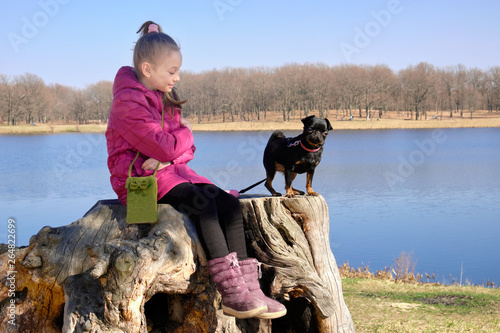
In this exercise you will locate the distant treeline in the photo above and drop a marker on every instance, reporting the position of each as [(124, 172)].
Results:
[(248, 93)]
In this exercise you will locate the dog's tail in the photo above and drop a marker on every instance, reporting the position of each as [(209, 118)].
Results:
[(252, 186), (276, 135)]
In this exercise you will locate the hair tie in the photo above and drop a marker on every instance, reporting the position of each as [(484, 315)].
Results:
[(153, 28)]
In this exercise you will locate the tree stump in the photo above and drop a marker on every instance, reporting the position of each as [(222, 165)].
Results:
[(99, 274)]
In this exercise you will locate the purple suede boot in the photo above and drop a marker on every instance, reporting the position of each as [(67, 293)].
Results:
[(237, 301), (250, 269)]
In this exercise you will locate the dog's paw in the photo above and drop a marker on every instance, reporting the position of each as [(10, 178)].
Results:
[(277, 194), (314, 194)]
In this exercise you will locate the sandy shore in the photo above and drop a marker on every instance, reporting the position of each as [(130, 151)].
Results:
[(296, 124), (353, 124)]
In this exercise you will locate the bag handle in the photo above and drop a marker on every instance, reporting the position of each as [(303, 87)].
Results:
[(136, 156)]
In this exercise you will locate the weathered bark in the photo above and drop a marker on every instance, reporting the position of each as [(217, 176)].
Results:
[(291, 237), (99, 274)]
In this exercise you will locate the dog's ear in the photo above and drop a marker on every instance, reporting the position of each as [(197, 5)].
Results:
[(328, 125), (307, 119)]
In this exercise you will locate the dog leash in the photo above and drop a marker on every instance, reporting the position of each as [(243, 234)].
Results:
[(252, 186)]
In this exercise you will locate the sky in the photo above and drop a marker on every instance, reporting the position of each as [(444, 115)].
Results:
[(77, 43)]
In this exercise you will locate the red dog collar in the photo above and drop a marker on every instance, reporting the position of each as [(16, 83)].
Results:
[(308, 149), (302, 145)]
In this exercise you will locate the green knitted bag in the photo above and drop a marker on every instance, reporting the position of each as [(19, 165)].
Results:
[(142, 195), (142, 200)]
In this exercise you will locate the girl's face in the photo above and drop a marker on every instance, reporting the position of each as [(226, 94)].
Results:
[(162, 75)]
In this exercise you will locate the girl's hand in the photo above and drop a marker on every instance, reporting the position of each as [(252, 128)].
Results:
[(185, 123), (151, 163)]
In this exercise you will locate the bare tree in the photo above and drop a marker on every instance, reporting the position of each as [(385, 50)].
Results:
[(460, 86), (31, 94), (318, 88), (190, 88), (233, 92), (247, 93), (349, 81), (286, 83), (9, 100), (262, 94), (79, 106), (475, 87), (379, 81), (417, 84), (99, 98), (446, 84), (494, 86), (62, 108)]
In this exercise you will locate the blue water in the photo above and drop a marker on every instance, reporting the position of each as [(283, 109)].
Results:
[(433, 193)]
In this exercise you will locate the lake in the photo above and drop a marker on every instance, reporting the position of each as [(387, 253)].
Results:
[(434, 193)]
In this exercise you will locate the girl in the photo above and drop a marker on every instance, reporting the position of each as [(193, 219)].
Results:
[(142, 97)]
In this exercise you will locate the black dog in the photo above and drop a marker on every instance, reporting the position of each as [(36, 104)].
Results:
[(296, 155)]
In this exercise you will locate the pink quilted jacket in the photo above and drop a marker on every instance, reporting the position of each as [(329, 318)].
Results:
[(135, 124)]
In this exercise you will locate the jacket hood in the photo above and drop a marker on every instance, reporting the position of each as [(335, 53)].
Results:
[(126, 82), (126, 79)]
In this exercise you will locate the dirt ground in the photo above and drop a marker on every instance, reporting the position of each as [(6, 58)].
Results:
[(274, 121), (389, 120)]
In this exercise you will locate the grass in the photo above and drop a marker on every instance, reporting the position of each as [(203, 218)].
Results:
[(395, 300), (386, 306)]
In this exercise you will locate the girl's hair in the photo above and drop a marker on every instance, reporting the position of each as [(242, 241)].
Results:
[(152, 44)]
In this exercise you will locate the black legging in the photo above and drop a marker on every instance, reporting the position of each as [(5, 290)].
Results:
[(216, 214)]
